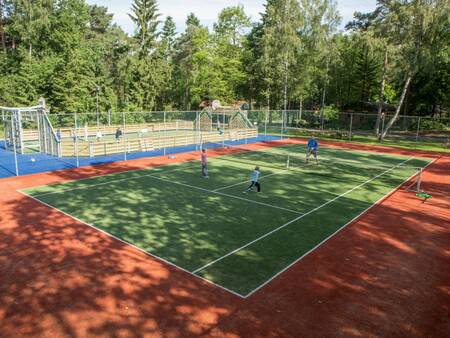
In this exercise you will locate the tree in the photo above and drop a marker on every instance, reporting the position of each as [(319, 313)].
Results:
[(30, 21), (146, 75), (279, 43), (231, 25), (417, 25), (194, 75), (100, 20), (145, 17), (168, 35), (228, 40), (192, 21)]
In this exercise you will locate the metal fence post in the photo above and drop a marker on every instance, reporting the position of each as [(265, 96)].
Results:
[(76, 141), (124, 123), (281, 129), (197, 134), (165, 133), (417, 131), (351, 126), (266, 116), (223, 129)]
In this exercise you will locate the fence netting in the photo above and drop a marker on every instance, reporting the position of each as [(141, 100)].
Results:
[(44, 141)]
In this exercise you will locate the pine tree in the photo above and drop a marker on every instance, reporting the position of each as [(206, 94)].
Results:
[(145, 17), (168, 35)]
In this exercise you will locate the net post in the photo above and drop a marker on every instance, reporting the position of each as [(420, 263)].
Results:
[(419, 180), (288, 162)]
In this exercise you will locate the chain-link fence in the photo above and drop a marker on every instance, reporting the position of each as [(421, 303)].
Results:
[(95, 138), (428, 133)]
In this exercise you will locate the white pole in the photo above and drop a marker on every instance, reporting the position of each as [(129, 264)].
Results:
[(281, 131), (165, 133), (14, 147), (266, 116), (19, 125), (38, 122), (419, 180)]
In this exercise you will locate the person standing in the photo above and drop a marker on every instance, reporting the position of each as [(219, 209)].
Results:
[(204, 163), (254, 177), (312, 149), (118, 134)]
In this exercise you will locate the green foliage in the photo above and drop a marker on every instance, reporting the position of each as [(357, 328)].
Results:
[(71, 52), (331, 112), (430, 124), (145, 17)]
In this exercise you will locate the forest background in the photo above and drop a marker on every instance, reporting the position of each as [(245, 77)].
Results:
[(394, 58)]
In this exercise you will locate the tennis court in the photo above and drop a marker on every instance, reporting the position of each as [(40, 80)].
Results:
[(210, 229)]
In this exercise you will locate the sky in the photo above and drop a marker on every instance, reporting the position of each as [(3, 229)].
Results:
[(208, 10)]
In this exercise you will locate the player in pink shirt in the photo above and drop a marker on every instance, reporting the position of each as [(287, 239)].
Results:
[(204, 161)]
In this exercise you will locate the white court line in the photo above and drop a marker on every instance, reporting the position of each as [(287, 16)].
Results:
[(296, 219), (170, 181), (236, 184), (134, 246), (227, 195), (334, 233), (116, 173), (108, 182)]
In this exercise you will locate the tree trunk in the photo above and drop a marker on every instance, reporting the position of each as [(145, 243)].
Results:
[(285, 118), (381, 101), (301, 108), (399, 107), (405, 107)]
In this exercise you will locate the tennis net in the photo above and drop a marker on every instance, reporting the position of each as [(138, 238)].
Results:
[(393, 171)]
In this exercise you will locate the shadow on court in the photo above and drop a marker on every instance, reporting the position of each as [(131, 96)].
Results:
[(385, 275)]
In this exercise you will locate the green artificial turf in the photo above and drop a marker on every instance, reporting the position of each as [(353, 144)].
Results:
[(173, 213)]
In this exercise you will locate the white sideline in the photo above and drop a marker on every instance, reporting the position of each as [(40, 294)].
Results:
[(334, 233), (296, 219), (112, 181), (134, 246), (223, 194)]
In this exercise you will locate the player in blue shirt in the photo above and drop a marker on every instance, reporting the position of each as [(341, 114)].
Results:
[(254, 177), (313, 147)]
